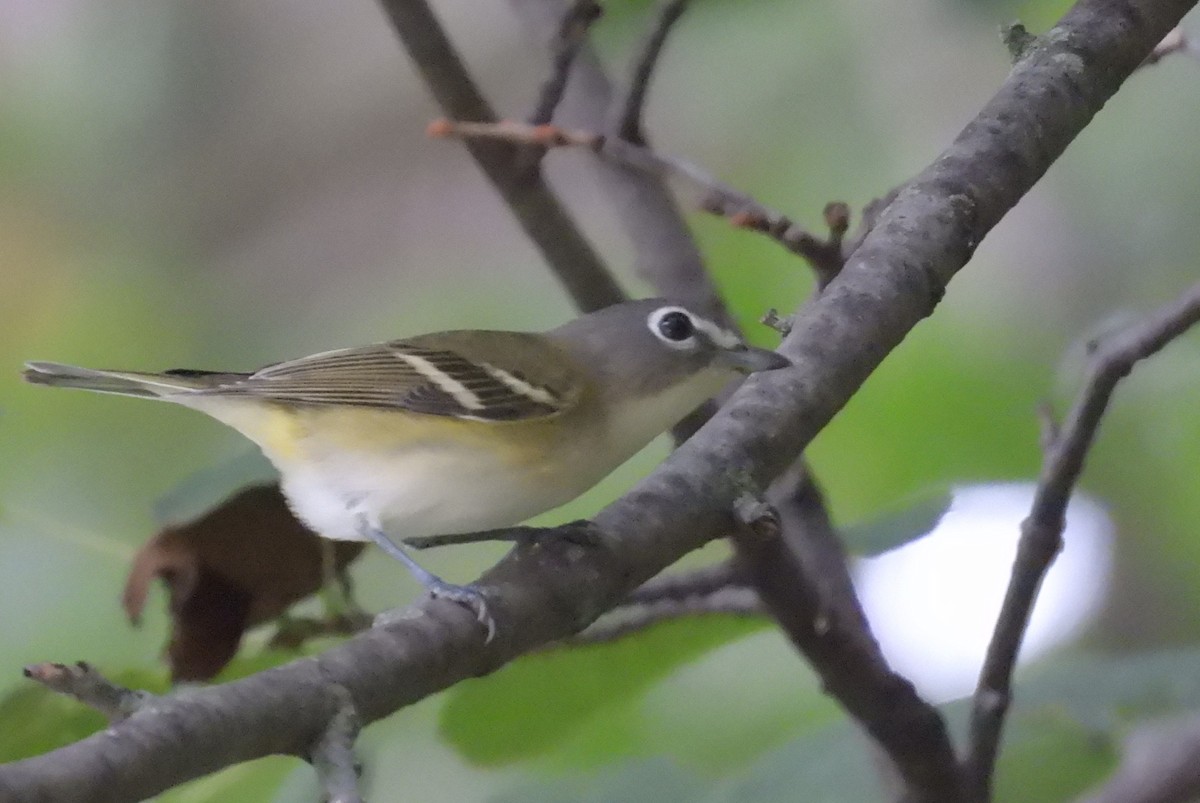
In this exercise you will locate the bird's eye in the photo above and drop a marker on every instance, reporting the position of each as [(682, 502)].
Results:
[(676, 325)]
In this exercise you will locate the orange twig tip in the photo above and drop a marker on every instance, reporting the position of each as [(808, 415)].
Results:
[(441, 127), (547, 134)]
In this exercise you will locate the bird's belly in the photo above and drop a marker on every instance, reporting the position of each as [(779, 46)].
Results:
[(421, 492)]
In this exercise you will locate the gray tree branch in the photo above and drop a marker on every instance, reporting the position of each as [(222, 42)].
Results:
[(892, 281), (815, 570), (1041, 533), (536, 207), (666, 256), (627, 124), (84, 682)]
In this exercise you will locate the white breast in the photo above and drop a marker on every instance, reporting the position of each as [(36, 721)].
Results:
[(418, 493), (642, 420)]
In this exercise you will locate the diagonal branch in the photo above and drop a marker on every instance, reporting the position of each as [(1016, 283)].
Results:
[(536, 207), (572, 34), (84, 682), (666, 255), (672, 263), (628, 123), (686, 585), (891, 282), (571, 37), (843, 653), (629, 619), (1041, 533)]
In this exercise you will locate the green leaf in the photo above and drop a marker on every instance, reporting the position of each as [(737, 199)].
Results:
[(203, 490), (825, 766), (887, 532), (830, 765), (36, 720), (1051, 758), (1060, 740), (1104, 692), (654, 781), (536, 703)]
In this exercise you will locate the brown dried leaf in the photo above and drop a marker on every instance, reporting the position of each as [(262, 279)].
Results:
[(241, 564)]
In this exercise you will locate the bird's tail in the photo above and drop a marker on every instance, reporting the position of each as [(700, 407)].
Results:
[(123, 383)]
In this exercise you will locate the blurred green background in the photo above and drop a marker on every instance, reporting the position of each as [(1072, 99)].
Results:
[(226, 184)]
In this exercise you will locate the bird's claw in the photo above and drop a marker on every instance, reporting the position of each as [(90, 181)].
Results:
[(470, 597)]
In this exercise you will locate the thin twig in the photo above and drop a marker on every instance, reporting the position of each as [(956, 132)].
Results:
[(628, 123), (892, 282), (679, 586), (571, 36), (1041, 532), (333, 754), (668, 259), (85, 683), (828, 256), (782, 544), (709, 194), (535, 206), (626, 620), (665, 253)]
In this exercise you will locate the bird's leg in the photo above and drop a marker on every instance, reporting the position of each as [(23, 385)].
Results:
[(337, 589), (581, 532), (470, 596)]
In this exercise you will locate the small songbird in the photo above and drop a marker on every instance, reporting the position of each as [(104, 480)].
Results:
[(457, 432)]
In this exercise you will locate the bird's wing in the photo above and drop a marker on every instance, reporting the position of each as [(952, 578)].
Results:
[(445, 375)]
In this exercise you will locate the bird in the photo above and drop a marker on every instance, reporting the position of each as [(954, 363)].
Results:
[(456, 432)]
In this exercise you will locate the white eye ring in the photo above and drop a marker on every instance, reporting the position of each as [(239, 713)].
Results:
[(674, 317), (720, 337)]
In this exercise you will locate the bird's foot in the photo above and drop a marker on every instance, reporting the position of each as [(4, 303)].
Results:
[(470, 596)]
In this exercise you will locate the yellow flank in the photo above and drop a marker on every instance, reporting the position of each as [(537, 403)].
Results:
[(281, 433), (289, 434), (374, 431), (275, 428)]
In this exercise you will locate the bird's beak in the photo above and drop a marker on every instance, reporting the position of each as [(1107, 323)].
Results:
[(749, 359)]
